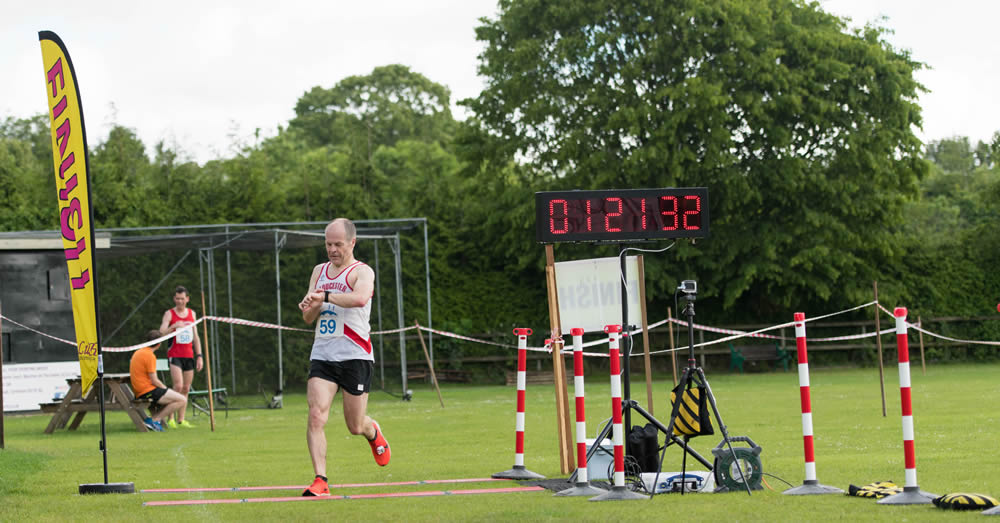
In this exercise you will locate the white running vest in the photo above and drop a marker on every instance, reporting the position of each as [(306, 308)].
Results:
[(341, 332)]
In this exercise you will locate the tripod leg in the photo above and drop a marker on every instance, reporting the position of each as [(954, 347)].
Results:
[(722, 427), (684, 468)]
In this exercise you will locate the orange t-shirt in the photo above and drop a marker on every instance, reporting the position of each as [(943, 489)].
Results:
[(143, 363)]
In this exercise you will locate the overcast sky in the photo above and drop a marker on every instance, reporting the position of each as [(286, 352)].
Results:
[(203, 75)]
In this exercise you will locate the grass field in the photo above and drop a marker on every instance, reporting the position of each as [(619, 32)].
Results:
[(955, 409)]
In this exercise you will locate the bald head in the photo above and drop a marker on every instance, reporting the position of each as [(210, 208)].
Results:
[(345, 225)]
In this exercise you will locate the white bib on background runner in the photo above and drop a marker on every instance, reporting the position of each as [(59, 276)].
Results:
[(342, 333), (185, 335)]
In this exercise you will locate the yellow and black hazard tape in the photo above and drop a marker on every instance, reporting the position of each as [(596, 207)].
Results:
[(964, 501)]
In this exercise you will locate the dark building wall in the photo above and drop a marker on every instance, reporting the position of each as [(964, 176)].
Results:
[(34, 291)]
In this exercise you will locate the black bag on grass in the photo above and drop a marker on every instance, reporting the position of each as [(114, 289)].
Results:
[(643, 445)]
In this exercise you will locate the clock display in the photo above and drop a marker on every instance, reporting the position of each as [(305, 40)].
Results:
[(621, 215)]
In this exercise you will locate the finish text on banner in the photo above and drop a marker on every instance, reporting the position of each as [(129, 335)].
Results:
[(69, 155)]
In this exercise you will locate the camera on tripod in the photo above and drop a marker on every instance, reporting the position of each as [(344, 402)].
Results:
[(689, 288)]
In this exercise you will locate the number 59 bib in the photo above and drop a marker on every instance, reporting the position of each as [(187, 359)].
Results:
[(329, 324)]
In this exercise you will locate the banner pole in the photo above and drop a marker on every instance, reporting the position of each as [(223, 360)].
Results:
[(208, 365)]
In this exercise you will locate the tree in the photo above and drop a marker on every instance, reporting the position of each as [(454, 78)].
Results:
[(362, 113), (802, 132)]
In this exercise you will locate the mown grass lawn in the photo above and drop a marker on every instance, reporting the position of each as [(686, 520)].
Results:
[(956, 422)]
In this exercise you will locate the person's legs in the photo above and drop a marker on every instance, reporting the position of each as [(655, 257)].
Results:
[(171, 402), (359, 423), (188, 377), (356, 417), (176, 379), (319, 393)]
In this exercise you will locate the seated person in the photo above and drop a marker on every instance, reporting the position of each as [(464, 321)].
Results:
[(145, 384)]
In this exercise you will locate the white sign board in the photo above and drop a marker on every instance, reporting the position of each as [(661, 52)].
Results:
[(590, 293), (25, 385)]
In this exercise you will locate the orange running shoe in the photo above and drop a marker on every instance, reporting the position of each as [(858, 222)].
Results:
[(319, 487), (380, 447)]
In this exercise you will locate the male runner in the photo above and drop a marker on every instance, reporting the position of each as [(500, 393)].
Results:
[(184, 355), (339, 297)]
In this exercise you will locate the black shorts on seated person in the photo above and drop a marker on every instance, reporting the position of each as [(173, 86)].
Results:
[(154, 395)]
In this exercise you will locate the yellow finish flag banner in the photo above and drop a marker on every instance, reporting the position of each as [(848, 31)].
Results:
[(69, 154)]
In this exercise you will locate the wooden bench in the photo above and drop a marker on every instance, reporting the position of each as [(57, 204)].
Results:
[(531, 377), (450, 375), (75, 405), (774, 352)]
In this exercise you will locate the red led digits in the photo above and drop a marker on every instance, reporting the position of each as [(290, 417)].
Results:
[(696, 212), (670, 215), (621, 215), (608, 216), (553, 218)]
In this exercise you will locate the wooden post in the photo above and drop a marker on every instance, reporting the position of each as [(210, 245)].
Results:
[(878, 340), (208, 365), (923, 365), (430, 364), (673, 352), (558, 366), (645, 335), (1, 378)]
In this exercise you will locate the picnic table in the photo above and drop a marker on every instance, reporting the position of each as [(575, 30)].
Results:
[(121, 398)]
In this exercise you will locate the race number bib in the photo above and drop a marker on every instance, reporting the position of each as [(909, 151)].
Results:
[(329, 324), (185, 335)]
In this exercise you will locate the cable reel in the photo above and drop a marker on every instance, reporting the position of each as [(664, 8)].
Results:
[(727, 470)]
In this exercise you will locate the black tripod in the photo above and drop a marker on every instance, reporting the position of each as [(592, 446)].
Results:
[(628, 404), (693, 375), (690, 375)]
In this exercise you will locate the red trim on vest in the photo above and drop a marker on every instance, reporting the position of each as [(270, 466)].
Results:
[(348, 275), (366, 345), (330, 264)]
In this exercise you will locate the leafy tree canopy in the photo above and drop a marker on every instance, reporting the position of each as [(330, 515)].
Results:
[(802, 131)]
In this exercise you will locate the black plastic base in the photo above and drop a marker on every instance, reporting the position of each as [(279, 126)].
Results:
[(518, 472), (909, 496), (581, 489), (810, 487), (617, 494), (107, 488)]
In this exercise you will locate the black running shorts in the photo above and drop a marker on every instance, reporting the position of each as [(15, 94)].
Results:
[(183, 363), (354, 376), (154, 395)]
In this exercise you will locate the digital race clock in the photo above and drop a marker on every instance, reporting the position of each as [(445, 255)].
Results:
[(621, 215)]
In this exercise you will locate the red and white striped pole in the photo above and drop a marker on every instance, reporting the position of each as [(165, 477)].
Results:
[(618, 490), (519, 472), (811, 485), (911, 494), (583, 486)]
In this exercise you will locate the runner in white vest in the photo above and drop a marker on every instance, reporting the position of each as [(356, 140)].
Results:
[(339, 301)]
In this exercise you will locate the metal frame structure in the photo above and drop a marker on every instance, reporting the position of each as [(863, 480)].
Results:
[(207, 239)]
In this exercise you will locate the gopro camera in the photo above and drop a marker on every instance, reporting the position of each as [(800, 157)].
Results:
[(688, 287)]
